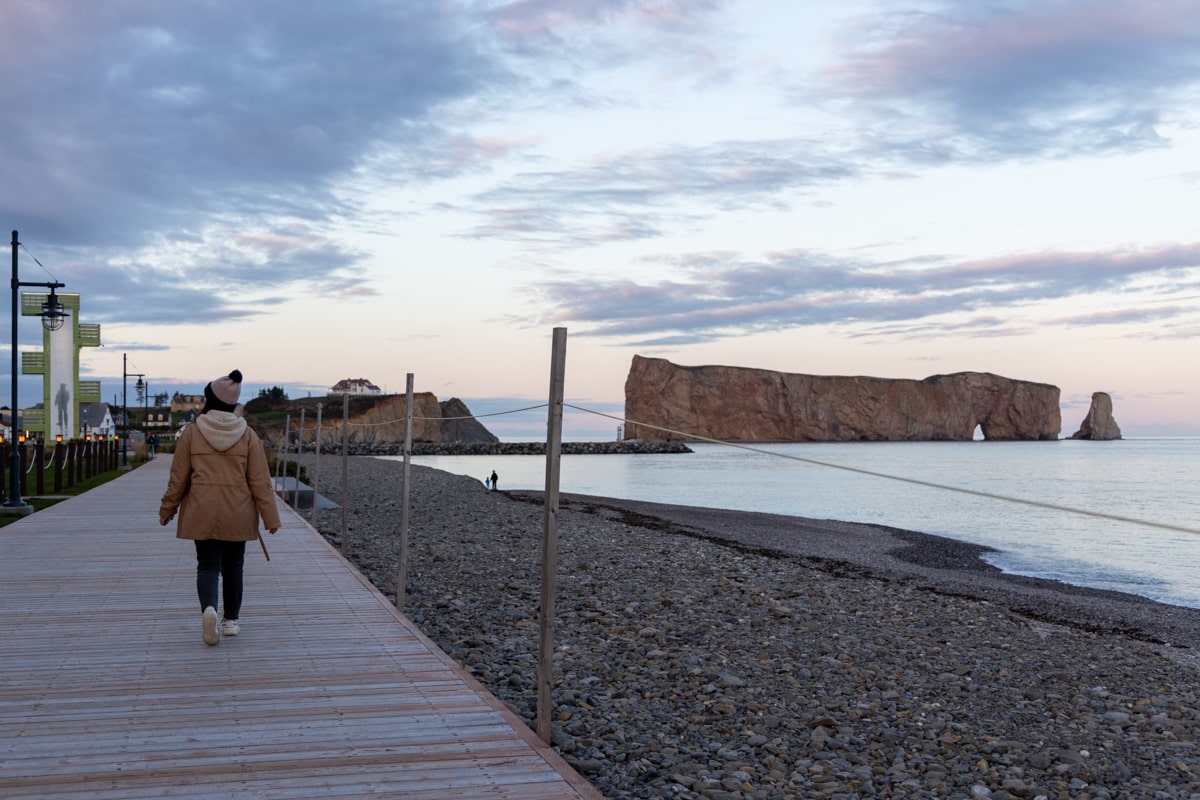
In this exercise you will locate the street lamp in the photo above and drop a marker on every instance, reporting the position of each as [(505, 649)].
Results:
[(125, 373), (52, 315)]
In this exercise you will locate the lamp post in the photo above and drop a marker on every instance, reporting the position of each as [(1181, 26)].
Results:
[(125, 373), (141, 388), (52, 319)]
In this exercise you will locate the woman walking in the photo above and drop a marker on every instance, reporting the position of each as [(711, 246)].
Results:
[(220, 485)]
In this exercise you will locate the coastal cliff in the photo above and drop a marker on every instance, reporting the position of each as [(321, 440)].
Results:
[(373, 420), (756, 405)]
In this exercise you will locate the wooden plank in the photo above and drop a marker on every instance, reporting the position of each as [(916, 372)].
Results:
[(108, 692)]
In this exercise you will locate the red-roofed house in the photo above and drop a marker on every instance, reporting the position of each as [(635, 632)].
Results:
[(355, 386)]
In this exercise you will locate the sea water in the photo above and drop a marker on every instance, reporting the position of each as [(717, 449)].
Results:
[(1049, 509)]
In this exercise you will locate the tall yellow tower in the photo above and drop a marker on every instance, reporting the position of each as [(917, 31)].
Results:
[(58, 364)]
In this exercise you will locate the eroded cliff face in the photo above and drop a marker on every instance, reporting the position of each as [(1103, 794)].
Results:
[(1099, 423), (384, 421), (459, 425), (377, 420), (755, 405)]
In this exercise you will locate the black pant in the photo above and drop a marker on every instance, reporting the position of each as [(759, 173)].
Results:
[(216, 559)]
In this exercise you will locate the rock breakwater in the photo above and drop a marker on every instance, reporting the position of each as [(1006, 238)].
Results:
[(705, 669), (628, 447)]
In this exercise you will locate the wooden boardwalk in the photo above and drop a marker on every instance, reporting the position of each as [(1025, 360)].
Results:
[(106, 690)]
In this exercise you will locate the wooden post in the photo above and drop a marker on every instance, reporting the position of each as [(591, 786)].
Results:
[(287, 442), (345, 463), (299, 452), (316, 467), (545, 675), (402, 568), (24, 467), (39, 466), (60, 453), (69, 463)]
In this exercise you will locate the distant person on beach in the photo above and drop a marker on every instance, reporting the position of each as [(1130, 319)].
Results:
[(487, 483), (495, 478), (220, 485)]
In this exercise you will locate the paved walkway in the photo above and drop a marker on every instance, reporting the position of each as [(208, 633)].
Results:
[(106, 690)]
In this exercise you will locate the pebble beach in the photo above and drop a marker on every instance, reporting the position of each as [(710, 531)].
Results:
[(727, 655)]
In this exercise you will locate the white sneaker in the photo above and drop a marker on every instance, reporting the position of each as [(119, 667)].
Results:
[(229, 627), (211, 636)]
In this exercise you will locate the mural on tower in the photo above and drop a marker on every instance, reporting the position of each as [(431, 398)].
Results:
[(64, 371), (58, 364)]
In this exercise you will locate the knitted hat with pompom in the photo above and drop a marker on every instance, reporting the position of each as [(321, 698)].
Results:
[(222, 394)]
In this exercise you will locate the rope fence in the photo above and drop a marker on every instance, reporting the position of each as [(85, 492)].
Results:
[(334, 426), (912, 481), (53, 466), (810, 461)]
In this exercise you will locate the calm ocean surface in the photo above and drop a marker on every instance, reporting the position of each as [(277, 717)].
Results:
[(1152, 479)]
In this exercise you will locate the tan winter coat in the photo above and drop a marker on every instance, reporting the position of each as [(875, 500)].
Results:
[(220, 483)]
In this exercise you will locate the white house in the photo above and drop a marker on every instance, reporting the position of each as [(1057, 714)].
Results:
[(96, 418), (355, 386)]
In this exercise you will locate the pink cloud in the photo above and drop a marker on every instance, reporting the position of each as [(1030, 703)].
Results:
[(1088, 42)]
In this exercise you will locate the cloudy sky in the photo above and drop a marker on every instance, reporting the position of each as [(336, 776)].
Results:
[(311, 191)]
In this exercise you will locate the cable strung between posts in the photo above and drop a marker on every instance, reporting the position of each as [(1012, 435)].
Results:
[(914, 481), (493, 414), (29, 253), (336, 425), (818, 463)]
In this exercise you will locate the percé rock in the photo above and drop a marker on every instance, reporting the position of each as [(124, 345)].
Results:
[(1099, 424), (757, 405)]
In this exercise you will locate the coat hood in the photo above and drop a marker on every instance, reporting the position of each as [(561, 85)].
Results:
[(221, 429)]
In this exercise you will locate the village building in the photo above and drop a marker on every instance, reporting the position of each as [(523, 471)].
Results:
[(181, 403), (6, 423), (355, 386), (96, 419), (157, 417)]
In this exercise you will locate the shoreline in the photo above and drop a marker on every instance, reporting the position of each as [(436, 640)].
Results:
[(928, 561), (718, 655)]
